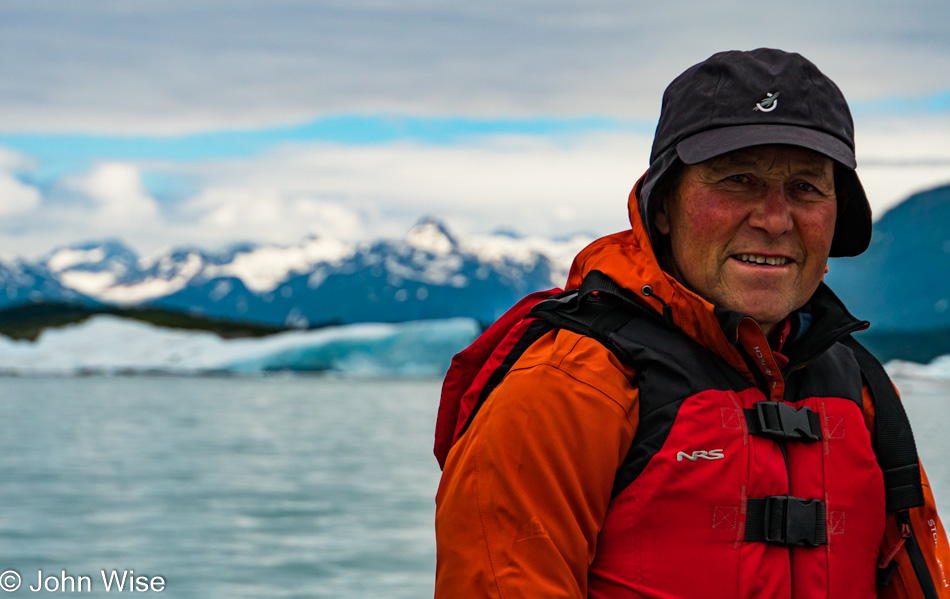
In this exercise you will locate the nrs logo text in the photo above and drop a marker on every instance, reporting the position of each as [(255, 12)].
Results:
[(712, 454)]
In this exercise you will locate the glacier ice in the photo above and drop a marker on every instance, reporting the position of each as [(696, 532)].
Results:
[(937, 369), (112, 344)]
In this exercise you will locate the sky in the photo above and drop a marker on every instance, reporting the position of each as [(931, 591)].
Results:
[(169, 122)]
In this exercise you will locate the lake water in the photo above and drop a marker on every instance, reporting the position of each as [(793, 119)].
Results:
[(226, 487), (248, 487)]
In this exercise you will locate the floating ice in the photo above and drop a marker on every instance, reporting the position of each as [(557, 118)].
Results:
[(938, 368), (112, 344)]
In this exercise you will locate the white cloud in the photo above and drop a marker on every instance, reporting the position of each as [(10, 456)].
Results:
[(548, 187), (236, 208), (173, 66), (538, 186), (16, 197), (108, 201), (13, 161), (170, 67), (121, 201), (887, 186), (901, 156), (551, 187), (532, 185)]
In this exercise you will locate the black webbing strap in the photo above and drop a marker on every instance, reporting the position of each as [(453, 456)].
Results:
[(779, 420), (786, 520), (580, 313), (896, 451), (596, 281)]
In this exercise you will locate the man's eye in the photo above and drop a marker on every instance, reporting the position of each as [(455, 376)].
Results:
[(806, 187), (737, 178)]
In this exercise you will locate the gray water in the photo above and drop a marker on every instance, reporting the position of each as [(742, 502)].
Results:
[(248, 487), (225, 487)]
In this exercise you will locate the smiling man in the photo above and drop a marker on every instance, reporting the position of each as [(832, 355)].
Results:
[(695, 420), (751, 230)]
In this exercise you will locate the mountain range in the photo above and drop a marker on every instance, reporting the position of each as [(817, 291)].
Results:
[(901, 284), (429, 274)]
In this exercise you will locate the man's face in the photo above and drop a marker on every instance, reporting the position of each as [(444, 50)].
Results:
[(751, 230)]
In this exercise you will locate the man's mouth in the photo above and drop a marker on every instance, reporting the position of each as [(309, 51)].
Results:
[(765, 260)]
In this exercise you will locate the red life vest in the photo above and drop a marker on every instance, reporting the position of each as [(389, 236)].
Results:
[(714, 482)]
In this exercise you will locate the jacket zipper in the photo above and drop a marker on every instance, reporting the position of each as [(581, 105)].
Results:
[(917, 560)]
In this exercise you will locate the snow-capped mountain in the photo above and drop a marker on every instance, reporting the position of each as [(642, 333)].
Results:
[(23, 283), (430, 273)]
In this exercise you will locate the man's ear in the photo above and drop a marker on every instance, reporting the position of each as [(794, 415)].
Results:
[(661, 222)]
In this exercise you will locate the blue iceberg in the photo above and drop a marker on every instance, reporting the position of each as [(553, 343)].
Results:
[(111, 345)]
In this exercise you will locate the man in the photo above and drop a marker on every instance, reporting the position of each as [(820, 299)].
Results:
[(646, 463)]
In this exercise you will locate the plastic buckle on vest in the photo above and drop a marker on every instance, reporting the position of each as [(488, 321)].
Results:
[(555, 302), (889, 557), (779, 420), (795, 521)]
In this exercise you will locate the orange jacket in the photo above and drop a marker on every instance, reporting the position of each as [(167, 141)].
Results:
[(526, 490)]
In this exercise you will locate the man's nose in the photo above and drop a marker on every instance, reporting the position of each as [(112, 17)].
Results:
[(772, 213)]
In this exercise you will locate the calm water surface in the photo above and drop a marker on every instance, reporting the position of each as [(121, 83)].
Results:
[(267, 488), (226, 487)]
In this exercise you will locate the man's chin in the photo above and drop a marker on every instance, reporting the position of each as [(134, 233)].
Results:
[(768, 311)]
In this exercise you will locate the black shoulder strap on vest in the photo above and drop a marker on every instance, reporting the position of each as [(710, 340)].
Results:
[(896, 454), (896, 450), (595, 317)]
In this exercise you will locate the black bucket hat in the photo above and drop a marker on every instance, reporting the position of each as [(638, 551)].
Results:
[(735, 100)]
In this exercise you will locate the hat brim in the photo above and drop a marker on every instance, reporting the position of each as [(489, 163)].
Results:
[(714, 142)]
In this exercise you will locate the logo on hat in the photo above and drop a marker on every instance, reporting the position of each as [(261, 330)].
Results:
[(768, 103)]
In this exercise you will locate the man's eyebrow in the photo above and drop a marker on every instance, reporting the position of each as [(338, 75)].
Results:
[(816, 169)]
